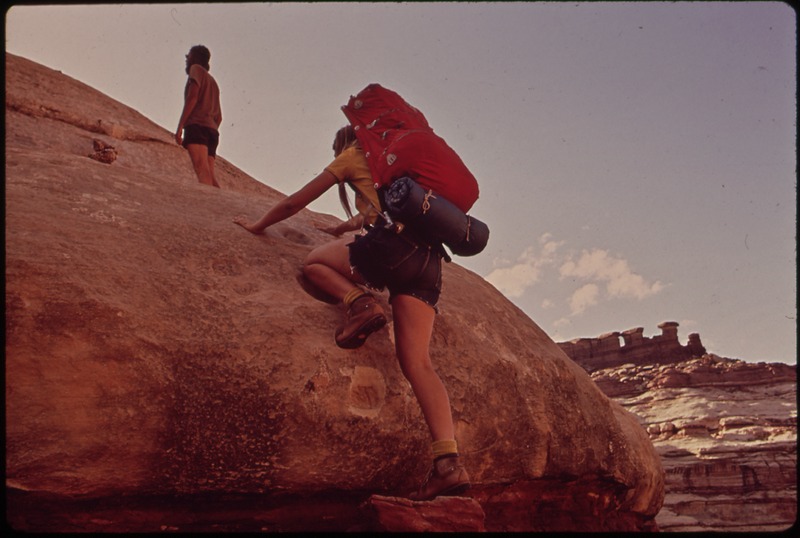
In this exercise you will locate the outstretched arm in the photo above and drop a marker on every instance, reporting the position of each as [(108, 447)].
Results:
[(291, 204)]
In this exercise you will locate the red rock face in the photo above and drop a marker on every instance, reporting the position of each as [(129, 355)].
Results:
[(726, 431), (158, 354), (455, 514)]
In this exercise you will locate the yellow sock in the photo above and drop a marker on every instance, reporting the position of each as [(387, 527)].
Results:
[(352, 295), (444, 447)]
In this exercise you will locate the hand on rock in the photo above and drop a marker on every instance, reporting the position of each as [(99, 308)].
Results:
[(243, 222)]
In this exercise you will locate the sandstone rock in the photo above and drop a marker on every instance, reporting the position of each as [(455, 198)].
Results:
[(103, 152), (444, 514), (608, 351), (156, 350), (726, 431)]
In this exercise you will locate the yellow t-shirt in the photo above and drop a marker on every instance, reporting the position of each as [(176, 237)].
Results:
[(351, 166)]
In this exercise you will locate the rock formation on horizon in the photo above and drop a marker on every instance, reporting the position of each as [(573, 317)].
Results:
[(155, 350), (608, 351), (726, 429)]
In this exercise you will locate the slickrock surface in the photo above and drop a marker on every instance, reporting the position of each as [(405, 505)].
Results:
[(726, 431), (165, 371)]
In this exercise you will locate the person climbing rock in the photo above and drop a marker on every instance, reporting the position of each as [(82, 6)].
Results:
[(385, 256)]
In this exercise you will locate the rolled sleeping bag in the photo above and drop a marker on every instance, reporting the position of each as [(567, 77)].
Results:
[(435, 218)]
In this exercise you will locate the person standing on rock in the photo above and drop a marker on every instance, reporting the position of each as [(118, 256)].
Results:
[(412, 272), (198, 128)]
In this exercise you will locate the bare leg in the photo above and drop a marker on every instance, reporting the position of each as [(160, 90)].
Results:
[(328, 268), (413, 327), (199, 155), (211, 161)]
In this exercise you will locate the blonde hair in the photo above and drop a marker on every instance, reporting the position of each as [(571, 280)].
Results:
[(345, 138)]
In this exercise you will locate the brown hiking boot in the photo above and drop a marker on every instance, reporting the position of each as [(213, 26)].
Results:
[(447, 477), (363, 317)]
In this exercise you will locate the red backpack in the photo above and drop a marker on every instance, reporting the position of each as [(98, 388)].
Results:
[(397, 142)]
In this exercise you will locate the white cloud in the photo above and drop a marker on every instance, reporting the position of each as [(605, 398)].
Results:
[(583, 298), (620, 280), (515, 279), (598, 274), (562, 322)]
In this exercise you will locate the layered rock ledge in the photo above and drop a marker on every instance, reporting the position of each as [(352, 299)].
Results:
[(726, 429)]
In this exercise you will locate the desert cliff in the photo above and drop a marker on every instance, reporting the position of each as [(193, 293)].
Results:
[(166, 371), (726, 429)]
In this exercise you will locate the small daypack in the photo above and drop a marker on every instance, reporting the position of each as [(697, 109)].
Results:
[(425, 184)]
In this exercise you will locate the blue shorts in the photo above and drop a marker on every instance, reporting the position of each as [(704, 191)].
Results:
[(198, 134), (398, 262)]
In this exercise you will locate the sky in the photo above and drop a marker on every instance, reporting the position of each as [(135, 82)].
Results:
[(636, 160)]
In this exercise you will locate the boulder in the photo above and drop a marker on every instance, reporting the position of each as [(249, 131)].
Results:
[(154, 348), (443, 514)]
